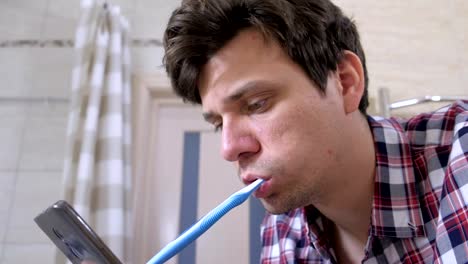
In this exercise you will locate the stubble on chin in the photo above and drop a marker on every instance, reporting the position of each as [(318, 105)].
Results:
[(301, 196), (275, 204)]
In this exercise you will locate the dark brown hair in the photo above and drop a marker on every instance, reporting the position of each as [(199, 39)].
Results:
[(314, 33)]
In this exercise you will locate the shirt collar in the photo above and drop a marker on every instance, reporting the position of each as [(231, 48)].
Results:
[(396, 210)]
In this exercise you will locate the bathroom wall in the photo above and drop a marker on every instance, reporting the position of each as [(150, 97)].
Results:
[(32, 134), (413, 47)]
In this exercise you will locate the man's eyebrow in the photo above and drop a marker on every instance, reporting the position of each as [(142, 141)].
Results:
[(246, 88)]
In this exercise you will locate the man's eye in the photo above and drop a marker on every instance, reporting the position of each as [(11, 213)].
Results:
[(257, 106), (218, 127)]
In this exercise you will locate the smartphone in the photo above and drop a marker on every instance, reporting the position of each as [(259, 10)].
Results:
[(73, 236)]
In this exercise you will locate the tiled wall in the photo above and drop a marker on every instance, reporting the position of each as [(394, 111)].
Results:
[(413, 47), (32, 135)]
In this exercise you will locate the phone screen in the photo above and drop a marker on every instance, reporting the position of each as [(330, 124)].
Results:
[(73, 236)]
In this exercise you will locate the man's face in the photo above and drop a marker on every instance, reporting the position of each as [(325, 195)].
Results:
[(274, 121)]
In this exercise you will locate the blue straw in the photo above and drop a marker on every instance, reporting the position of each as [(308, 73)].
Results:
[(200, 227)]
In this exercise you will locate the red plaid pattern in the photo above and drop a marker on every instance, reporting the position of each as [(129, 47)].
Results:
[(420, 207)]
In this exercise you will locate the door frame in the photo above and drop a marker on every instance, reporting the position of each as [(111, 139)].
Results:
[(150, 92)]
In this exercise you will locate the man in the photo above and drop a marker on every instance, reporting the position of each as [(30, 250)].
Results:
[(285, 83)]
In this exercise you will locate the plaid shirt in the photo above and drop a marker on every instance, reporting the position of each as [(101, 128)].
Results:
[(420, 206)]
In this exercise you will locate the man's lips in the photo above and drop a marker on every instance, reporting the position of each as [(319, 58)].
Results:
[(249, 178), (264, 189)]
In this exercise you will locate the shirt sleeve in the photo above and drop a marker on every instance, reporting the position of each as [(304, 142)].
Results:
[(452, 223), (285, 239)]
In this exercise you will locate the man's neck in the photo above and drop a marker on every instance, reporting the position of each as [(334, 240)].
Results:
[(350, 229), (349, 205), (347, 247)]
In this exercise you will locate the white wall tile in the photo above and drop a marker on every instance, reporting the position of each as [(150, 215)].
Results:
[(43, 144), (13, 109), (127, 7), (16, 70), (460, 20), (147, 59), (2, 233), (29, 253), (404, 82), (4, 217), (63, 16), (403, 37), (36, 6), (144, 26), (151, 17), (411, 47), (52, 72), (7, 180), (64, 8), (35, 191), (52, 110), (20, 23), (11, 129), (157, 7), (26, 234), (59, 27), (1, 253)]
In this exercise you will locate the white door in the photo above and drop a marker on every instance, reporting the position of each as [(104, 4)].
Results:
[(187, 178)]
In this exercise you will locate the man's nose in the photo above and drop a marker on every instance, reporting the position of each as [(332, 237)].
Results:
[(238, 141)]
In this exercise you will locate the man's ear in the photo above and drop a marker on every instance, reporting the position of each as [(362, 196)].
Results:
[(351, 77)]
